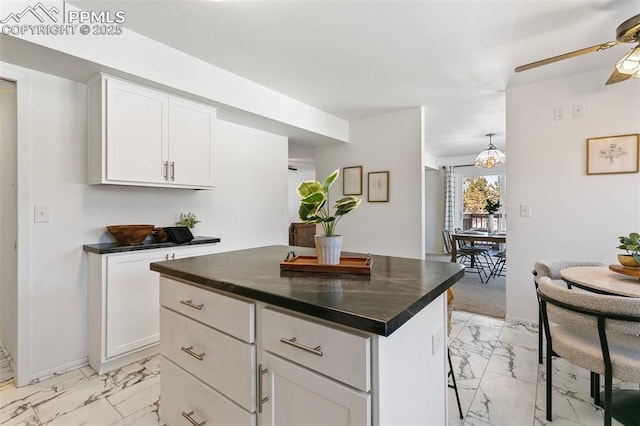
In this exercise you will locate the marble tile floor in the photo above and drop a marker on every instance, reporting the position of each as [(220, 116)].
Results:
[(495, 362)]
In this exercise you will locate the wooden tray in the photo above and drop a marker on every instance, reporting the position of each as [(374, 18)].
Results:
[(625, 270), (347, 265)]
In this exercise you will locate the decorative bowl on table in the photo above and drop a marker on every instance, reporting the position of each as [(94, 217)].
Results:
[(628, 261), (130, 235)]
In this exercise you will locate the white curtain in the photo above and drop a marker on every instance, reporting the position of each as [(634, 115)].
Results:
[(449, 198)]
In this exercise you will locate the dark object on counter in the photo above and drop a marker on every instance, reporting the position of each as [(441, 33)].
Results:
[(160, 235), (178, 234), (130, 235)]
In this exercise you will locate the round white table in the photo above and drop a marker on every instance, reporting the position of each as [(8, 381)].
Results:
[(600, 279)]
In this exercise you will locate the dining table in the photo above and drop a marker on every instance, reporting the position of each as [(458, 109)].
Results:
[(602, 280), (473, 237)]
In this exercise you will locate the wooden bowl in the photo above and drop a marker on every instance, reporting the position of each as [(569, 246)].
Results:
[(130, 235)]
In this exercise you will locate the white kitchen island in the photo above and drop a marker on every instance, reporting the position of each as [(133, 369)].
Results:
[(244, 343)]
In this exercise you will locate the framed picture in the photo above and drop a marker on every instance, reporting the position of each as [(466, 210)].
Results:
[(352, 180), (378, 187), (612, 154)]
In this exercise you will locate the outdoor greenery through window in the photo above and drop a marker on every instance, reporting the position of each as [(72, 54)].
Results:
[(475, 193)]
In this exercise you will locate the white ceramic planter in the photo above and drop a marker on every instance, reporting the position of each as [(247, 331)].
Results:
[(490, 223), (328, 249)]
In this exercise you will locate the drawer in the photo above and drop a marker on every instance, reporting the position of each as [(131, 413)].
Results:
[(223, 362), (336, 353), (232, 316), (182, 393)]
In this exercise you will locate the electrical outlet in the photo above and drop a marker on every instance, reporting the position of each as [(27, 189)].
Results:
[(437, 340), (578, 110), (525, 210)]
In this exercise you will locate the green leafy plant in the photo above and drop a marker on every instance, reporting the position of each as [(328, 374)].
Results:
[(491, 207), (188, 219), (631, 244), (314, 204)]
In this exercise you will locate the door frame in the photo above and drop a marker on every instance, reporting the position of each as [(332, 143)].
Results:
[(22, 357)]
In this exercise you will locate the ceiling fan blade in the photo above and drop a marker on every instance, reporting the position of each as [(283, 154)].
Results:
[(617, 77), (573, 54)]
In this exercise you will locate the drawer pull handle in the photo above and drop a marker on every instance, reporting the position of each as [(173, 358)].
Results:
[(293, 342), (261, 400), (190, 304), (191, 419), (189, 350)]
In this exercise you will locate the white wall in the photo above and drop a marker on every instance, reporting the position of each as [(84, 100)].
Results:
[(246, 209), (573, 216), (390, 142)]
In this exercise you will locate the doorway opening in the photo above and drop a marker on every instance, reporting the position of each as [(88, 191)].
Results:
[(8, 227)]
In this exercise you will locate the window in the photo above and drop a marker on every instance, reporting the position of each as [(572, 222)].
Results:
[(475, 186)]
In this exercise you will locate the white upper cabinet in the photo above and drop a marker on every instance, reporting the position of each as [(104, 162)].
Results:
[(141, 136)]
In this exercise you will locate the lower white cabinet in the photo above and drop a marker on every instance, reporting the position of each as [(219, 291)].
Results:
[(293, 395), (123, 306)]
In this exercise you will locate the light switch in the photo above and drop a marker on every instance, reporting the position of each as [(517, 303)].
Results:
[(525, 210), (41, 213)]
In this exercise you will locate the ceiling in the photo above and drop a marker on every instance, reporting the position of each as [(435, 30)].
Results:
[(356, 59)]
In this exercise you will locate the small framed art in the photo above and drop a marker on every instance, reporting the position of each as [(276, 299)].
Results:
[(352, 180), (612, 154), (378, 187)]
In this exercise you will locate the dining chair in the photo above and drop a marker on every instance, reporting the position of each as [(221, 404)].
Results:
[(551, 269), (600, 333), (475, 259), (499, 264)]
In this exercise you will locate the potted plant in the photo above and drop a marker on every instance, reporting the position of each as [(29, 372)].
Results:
[(491, 208), (188, 219), (314, 208), (631, 245)]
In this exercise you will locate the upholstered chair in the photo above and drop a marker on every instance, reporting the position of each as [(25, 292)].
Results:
[(551, 269), (600, 333)]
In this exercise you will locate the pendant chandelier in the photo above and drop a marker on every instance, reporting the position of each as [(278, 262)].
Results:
[(490, 157)]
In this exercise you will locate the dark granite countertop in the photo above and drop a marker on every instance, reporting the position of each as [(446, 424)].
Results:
[(397, 289), (106, 248)]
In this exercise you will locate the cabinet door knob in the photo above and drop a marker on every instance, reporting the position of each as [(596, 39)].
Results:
[(293, 342), (189, 350), (190, 304), (173, 171), (166, 170), (191, 419)]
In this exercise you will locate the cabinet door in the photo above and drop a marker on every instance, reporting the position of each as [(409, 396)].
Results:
[(191, 143), (136, 133), (297, 396), (133, 302)]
